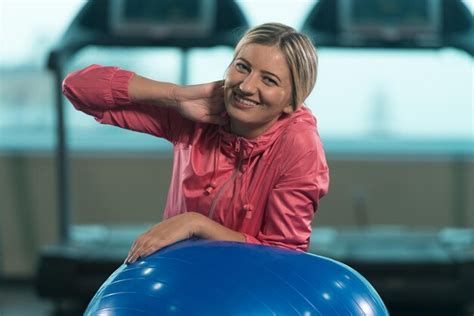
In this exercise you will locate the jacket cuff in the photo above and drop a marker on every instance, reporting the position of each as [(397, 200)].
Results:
[(119, 87)]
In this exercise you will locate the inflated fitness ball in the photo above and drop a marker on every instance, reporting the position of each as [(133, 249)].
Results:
[(199, 277)]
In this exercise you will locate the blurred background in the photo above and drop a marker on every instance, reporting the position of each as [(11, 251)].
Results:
[(395, 114)]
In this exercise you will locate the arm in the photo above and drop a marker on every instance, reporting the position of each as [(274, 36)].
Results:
[(121, 98), (148, 91), (177, 228), (212, 230), (201, 103)]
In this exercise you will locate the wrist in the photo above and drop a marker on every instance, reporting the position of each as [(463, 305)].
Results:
[(173, 97), (197, 223)]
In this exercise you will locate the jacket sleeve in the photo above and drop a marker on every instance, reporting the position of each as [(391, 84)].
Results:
[(294, 200), (102, 92)]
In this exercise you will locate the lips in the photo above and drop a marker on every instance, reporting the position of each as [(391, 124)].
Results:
[(242, 102)]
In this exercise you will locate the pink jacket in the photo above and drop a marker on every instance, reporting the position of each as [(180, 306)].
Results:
[(267, 188)]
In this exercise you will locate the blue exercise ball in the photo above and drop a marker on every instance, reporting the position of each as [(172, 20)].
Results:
[(202, 277)]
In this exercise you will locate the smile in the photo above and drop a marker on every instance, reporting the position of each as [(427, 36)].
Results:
[(242, 102)]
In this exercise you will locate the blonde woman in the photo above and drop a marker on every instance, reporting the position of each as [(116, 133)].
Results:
[(248, 161)]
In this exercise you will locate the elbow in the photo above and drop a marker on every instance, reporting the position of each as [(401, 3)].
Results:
[(66, 86), (70, 89), (299, 247), (284, 243), (73, 85)]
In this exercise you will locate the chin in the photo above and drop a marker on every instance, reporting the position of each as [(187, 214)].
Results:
[(234, 114)]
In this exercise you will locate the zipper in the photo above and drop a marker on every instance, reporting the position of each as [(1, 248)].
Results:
[(231, 179)]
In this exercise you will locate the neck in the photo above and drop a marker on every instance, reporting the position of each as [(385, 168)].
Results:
[(248, 131)]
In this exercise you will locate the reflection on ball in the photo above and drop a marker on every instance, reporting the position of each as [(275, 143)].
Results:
[(199, 277)]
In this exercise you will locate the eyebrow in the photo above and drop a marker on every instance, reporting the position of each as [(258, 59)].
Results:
[(264, 71)]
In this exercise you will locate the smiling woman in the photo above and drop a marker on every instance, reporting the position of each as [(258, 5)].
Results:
[(248, 162), (273, 71), (258, 90)]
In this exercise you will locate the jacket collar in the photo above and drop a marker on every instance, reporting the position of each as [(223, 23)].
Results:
[(232, 145)]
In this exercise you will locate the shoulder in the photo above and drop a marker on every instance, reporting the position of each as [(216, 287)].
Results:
[(203, 134), (301, 145), (301, 134)]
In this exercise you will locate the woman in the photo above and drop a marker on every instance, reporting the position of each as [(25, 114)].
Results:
[(248, 162)]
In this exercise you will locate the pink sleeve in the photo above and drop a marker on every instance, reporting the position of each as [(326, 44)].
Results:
[(294, 200), (103, 93)]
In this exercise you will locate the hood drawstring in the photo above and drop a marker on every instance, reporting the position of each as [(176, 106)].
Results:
[(230, 145), (212, 184), (247, 207)]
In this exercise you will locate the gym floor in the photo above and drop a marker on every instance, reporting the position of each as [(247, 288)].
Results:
[(18, 298)]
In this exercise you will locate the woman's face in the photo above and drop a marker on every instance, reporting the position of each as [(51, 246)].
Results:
[(257, 90)]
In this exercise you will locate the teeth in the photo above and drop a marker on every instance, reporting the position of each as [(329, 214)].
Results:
[(245, 101)]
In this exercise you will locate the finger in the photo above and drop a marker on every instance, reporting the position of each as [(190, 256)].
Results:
[(216, 105), (151, 250), (219, 95), (129, 256), (156, 245), (218, 84), (216, 119), (134, 256), (139, 252), (136, 245), (145, 251), (136, 252), (217, 88), (130, 252)]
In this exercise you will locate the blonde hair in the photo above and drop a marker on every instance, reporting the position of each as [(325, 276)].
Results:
[(299, 52)]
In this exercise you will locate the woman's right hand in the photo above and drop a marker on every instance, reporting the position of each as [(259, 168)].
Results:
[(201, 103)]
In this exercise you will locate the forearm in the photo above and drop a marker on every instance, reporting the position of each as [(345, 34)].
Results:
[(209, 229), (147, 91)]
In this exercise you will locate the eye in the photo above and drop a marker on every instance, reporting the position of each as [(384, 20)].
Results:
[(241, 67), (269, 81)]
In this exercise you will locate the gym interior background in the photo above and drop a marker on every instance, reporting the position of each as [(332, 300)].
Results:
[(397, 125)]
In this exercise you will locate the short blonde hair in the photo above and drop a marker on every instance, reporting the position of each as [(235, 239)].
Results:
[(299, 51)]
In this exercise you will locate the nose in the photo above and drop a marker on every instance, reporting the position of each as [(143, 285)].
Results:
[(249, 84)]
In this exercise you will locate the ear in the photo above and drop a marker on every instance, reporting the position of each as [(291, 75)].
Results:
[(289, 108)]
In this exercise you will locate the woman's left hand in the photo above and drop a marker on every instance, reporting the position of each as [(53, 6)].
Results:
[(165, 233)]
